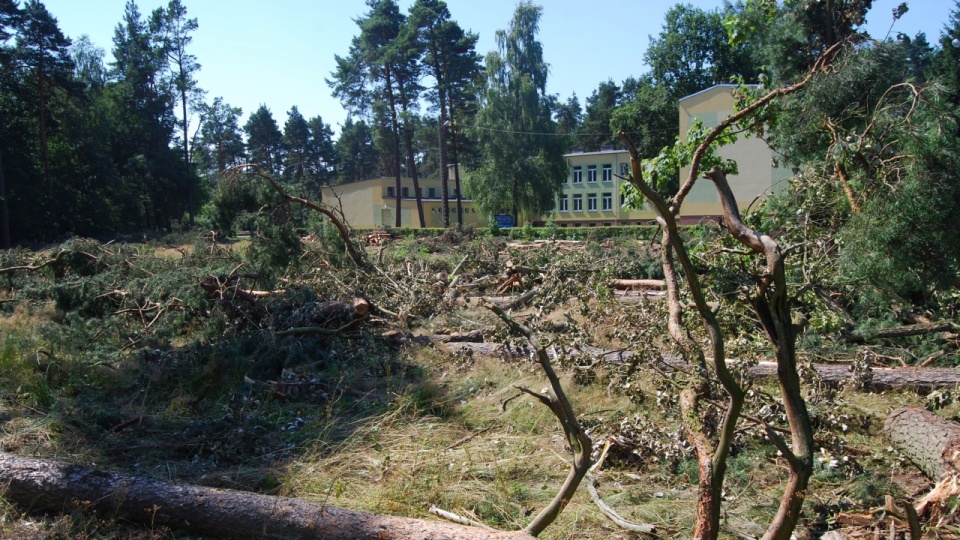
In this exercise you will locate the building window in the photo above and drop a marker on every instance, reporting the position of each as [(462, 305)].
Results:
[(623, 169), (563, 203), (578, 203), (608, 173), (591, 224), (405, 192), (577, 174), (608, 201), (606, 224), (592, 202), (591, 173), (432, 193), (391, 193)]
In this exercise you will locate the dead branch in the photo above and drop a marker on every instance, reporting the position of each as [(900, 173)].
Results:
[(612, 515), (556, 400), (358, 257), (34, 267)]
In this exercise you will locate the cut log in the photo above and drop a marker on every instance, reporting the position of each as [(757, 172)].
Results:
[(901, 331), (881, 378), (52, 485), (638, 284), (931, 442)]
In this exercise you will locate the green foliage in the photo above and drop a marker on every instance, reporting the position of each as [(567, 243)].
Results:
[(522, 167), (692, 53)]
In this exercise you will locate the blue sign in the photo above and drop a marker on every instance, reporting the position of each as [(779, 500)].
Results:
[(505, 221)]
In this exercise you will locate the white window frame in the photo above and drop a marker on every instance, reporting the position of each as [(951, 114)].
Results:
[(608, 173), (607, 201), (592, 173), (578, 175), (578, 203), (592, 202), (564, 204)]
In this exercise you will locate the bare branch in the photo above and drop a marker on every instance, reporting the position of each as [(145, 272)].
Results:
[(556, 399)]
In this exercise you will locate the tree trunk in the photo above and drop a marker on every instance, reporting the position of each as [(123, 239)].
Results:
[(186, 157), (51, 485), (901, 331), (444, 173), (456, 174), (395, 128), (638, 284), (4, 210), (880, 378), (929, 441), (43, 125)]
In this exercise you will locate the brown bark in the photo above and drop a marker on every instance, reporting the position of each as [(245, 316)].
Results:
[(638, 284), (772, 305), (57, 486), (556, 399), (931, 442)]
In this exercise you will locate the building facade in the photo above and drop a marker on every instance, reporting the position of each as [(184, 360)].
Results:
[(372, 203), (591, 194), (758, 175)]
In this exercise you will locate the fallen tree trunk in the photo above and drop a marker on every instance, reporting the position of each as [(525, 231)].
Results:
[(638, 284), (929, 441), (923, 378), (901, 332), (52, 485)]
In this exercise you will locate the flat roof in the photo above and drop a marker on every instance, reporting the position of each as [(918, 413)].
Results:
[(726, 85), (596, 152)]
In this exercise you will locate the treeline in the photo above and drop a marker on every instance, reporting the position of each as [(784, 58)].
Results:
[(90, 148)]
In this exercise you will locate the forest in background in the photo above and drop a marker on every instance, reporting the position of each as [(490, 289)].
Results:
[(95, 149)]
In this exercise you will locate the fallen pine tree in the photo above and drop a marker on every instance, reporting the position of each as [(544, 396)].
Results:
[(932, 443), (876, 377), (40, 484)]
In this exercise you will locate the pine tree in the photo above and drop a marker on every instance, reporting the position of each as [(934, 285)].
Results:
[(172, 29), (221, 142), (366, 81), (44, 51), (451, 60), (264, 141)]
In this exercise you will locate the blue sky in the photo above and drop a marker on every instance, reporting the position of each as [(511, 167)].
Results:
[(278, 53)]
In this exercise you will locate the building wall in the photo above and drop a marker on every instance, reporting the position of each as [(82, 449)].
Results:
[(757, 177), (372, 203)]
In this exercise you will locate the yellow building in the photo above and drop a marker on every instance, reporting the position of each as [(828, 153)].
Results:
[(371, 203), (758, 177), (591, 194)]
